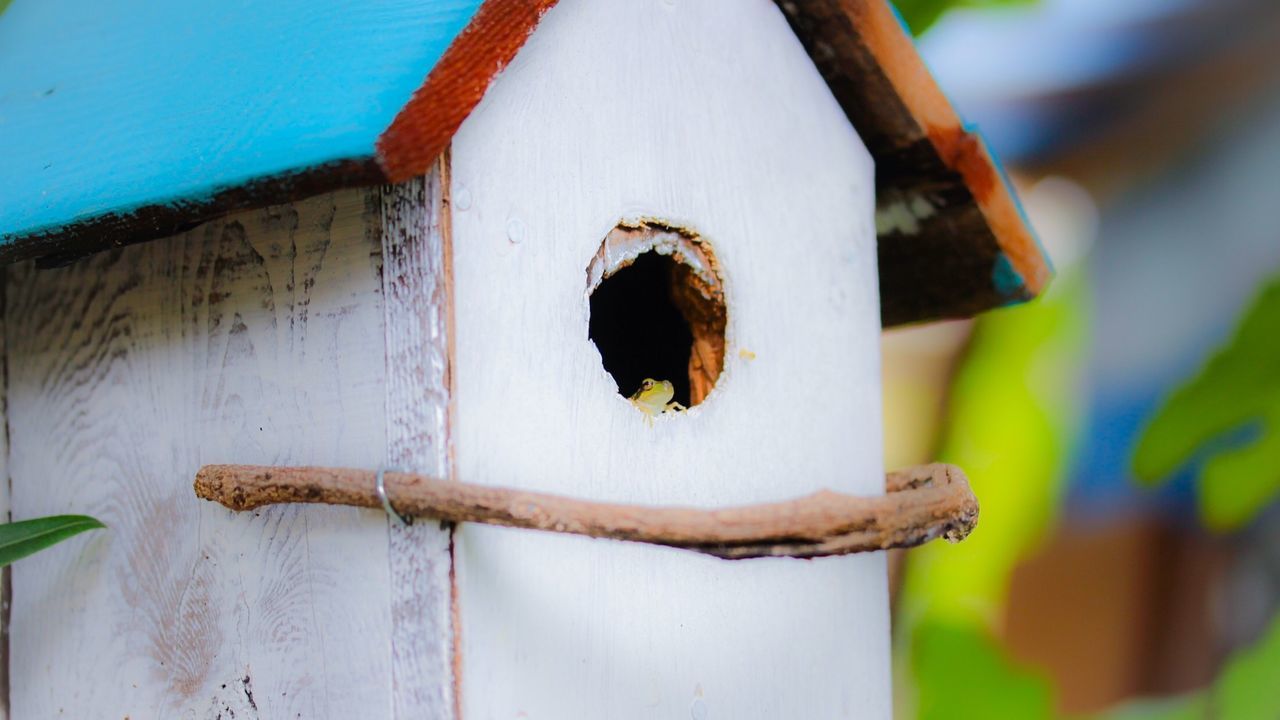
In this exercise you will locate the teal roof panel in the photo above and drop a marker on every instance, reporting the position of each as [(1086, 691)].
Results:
[(110, 107)]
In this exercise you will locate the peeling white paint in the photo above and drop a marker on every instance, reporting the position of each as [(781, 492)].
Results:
[(904, 216), (631, 239)]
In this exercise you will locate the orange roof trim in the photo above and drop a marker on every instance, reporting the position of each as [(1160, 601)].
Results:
[(962, 151), (425, 125)]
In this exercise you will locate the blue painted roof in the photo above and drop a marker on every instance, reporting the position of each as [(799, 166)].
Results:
[(108, 107)]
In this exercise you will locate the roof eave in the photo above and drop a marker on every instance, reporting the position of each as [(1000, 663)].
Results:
[(953, 241)]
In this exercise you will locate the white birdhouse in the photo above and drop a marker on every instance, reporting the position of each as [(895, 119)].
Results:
[(633, 253)]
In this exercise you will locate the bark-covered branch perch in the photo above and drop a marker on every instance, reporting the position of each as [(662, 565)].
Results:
[(920, 504)]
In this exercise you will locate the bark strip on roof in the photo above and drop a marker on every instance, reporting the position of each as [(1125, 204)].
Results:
[(952, 239)]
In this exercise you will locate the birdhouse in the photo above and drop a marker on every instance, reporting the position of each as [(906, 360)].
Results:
[(615, 267)]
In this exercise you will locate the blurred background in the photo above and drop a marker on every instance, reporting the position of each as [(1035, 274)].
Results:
[(1122, 432)]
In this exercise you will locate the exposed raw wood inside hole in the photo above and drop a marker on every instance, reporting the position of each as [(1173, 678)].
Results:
[(658, 309)]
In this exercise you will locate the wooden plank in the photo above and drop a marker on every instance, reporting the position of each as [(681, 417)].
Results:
[(257, 338), (616, 109), (63, 245), (6, 515), (953, 240), (418, 316)]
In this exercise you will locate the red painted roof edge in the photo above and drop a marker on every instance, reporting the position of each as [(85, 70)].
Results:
[(425, 125)]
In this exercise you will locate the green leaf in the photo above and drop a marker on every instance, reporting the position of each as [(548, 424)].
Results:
[(920, 15), (1247, 688), (20, 539), (1238, 387), (962, 673), (1243, 691), (1013, 413), (1193, 707)]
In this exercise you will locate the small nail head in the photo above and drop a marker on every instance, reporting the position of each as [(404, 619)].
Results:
[(462, 198), (515, 231)]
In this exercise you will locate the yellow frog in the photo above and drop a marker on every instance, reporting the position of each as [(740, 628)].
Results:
[(654, 398)]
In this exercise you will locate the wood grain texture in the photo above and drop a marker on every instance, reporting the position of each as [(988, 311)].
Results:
[(418, 313), (258, 337), (622, 110), (66, 244)]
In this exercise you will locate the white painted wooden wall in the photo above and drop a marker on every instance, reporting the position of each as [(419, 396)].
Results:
[(260, 339), (707, 113)]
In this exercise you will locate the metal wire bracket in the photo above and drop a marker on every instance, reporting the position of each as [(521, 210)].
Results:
[(380, 486)]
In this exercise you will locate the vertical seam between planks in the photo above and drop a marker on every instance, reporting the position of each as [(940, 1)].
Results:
[(6, 575), (376, 237), (418, 339), (446, 242), (446, 245)]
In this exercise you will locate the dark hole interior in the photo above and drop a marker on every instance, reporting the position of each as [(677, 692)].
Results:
[(639, 330)]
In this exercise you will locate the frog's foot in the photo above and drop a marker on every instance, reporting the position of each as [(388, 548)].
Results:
[(648, 413), (675, 406)]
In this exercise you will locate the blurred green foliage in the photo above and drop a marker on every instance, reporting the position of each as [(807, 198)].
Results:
[(1013, 415), (1013, 411), (1250, 685), (1011, 423), (1246, 690), (1239, 388), (1012, 418), (963, 674), (1190, 708), (920, 15)]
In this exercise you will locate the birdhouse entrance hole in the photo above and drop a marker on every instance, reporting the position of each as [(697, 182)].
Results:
[(657, 309)]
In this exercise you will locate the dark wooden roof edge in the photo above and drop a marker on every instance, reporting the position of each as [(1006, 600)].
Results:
[(953, 241), (63, 244)]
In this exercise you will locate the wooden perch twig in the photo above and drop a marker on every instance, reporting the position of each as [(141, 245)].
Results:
[(920, 504)]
